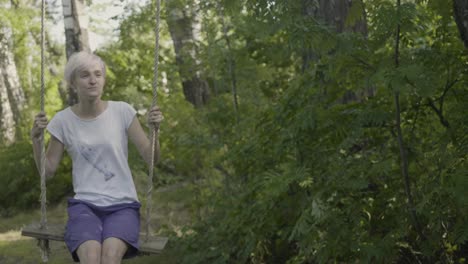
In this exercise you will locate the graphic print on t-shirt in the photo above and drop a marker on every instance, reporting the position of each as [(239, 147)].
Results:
[(90, 155)]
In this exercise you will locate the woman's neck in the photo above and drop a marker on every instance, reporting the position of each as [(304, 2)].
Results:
[(89, 109)]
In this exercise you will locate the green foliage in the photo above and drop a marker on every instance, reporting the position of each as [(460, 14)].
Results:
[(337, 165), (21, 188), (310, 172)]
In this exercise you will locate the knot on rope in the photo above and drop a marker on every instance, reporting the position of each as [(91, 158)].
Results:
[(43, 244)]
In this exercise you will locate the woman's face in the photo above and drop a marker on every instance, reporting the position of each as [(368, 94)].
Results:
[(89, 80)]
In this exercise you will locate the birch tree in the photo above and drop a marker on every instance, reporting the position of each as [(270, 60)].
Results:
[(76, 32), (184, 27), (12, 97)]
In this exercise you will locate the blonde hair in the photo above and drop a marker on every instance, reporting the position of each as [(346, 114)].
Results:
[(78, 60)]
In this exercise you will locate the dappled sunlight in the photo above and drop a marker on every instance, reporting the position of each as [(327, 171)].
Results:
[(12, 235)]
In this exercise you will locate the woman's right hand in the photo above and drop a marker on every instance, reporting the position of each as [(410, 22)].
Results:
[(40, 123)]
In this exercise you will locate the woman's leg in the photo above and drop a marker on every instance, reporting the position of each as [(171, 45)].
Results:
[(83, 233), (113, 250), (120, 231), (89, 252)]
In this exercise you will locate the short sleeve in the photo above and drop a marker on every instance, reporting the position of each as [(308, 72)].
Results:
[(55, 127), (128, 114)]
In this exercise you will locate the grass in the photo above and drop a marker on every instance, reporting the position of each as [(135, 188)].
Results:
[(171, 211), (25, 251)]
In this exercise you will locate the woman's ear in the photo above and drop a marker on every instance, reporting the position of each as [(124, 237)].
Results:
[(72, 88), (72, 85)]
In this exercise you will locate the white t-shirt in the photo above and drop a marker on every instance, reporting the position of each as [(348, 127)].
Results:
[(99, 151)]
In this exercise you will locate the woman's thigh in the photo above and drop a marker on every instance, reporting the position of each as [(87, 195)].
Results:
[(83, 228), (123, 225)]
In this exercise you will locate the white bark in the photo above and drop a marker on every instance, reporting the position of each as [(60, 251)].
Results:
[(31, 45), (184, 27), (76, 23), (7, 122), (11, 78), (12, 97)]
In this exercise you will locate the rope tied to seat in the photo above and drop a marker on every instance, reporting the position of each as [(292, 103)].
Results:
[(149, 189), (43, 243)]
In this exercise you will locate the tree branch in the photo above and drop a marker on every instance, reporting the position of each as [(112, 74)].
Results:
[(231, 64), (401, 144), (439, 113)]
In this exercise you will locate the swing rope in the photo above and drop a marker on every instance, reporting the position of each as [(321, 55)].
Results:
[(149, 190), (43, 243)]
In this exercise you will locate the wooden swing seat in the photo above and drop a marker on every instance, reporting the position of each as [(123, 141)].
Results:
[(56, 232)]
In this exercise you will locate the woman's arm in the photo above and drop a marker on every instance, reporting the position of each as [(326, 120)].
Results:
[(142, 143), (54, 152)]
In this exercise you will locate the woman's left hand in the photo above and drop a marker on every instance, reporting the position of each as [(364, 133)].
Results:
[(155, 117)]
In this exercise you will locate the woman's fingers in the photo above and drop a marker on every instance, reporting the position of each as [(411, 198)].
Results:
[(155, 116), (40, 123), (158, 117)]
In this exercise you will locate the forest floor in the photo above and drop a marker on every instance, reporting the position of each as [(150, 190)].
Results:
[(170, 212)]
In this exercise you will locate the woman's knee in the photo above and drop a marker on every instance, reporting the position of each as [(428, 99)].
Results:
[(113, 250), (112, 253), (89, 252)]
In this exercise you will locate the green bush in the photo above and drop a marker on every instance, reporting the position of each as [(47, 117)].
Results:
[(21, 181)]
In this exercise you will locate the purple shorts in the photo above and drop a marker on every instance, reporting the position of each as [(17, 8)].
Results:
[(90, 222)]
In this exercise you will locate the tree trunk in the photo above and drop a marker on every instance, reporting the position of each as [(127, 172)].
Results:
[(76, 33), (334, 13), (460, 12), (12, 97), (7, 122), (184, 29)]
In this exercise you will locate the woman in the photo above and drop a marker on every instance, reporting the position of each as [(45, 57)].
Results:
[(103, 216)]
